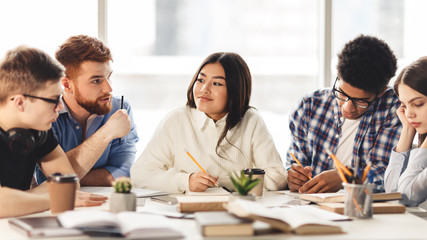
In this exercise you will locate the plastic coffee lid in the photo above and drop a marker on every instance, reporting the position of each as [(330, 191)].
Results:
[(254, 171), (60, 178)]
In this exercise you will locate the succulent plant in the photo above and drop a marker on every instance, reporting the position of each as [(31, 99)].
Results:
[(122, 185), (243, 183)]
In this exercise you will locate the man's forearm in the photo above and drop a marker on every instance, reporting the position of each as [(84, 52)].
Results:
[(84, 156), (97, 177)]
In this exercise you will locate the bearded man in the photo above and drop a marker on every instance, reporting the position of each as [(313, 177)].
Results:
[(95, 129)]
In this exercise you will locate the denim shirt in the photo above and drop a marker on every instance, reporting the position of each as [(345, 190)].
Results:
[(117, 158)]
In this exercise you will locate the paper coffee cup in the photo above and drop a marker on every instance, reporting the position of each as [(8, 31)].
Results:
[(62, 192), (257, 173)]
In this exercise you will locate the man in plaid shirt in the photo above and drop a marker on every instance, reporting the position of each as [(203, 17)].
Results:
[(356, 120)]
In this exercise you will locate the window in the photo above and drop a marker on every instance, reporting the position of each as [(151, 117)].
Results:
[(158, 46), (45, 24), (395, 21)]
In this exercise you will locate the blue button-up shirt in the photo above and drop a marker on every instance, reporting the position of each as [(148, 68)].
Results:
[(315, 126), (117, 157)]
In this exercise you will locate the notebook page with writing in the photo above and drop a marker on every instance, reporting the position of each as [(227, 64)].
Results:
[(215, 191)]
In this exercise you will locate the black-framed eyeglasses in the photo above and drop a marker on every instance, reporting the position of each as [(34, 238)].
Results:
[(361, 103), (53, 101)]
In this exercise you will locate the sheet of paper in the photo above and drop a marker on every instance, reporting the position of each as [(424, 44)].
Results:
[(216, 191), (140, 192)]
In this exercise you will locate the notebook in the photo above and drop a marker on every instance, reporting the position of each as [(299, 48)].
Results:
[(140, 192), (214, 191)]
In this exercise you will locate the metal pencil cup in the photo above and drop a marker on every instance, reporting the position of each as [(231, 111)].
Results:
[(358, 200)]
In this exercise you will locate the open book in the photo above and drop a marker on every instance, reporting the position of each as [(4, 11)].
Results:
[(339, 197), (299, 220), (131, 225)]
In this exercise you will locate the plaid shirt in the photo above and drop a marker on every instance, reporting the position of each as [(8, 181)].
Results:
[(315, 125)]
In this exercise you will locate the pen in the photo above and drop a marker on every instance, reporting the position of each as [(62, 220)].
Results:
[(194, 160), (121, 107), (296, 160)]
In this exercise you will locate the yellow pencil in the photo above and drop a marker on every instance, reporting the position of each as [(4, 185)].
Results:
[(365, 172), (194, 160), (296, 160), (339, 165)]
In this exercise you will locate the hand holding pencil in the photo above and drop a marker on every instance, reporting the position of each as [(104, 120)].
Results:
[(298, 175), (200, 181), (299, 163)]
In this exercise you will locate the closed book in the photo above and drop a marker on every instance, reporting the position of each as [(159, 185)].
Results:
[(40, 227), (339, 197), (298, 220), (223, 224), (377, 207), (191, 204)]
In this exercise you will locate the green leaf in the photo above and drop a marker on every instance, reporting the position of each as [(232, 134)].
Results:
[(242, 183)]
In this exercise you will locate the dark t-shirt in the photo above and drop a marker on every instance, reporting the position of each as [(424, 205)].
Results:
[(16, 170)]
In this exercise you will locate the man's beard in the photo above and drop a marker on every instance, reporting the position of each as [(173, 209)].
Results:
[(92, 106)]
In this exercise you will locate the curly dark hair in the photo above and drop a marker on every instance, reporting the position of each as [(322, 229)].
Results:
[(368, 63)]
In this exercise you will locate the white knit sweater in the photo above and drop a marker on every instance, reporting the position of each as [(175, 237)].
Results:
[(165, 166)]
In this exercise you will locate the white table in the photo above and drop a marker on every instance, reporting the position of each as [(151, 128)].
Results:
[(381, 226)]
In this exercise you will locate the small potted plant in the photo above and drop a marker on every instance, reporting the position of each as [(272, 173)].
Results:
[(243, 184), (122, 199)]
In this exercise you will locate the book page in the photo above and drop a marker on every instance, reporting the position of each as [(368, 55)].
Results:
[(294, 216), (87, 218), (301, 215), (323, 197), (215, 191), (132, 221)]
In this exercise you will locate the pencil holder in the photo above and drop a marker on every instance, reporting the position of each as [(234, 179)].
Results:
[(358, 200)]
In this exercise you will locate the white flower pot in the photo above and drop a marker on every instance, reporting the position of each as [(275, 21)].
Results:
[(122, 202)]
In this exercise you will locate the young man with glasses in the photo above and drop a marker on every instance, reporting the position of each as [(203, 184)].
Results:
[(356, 120), (30, 89), (97, 135)]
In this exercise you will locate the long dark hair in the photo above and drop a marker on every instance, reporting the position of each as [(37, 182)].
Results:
[(415, 77), (239, 86)]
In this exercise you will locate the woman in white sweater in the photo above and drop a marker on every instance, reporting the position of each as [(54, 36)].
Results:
[(407, 169), (217, 127)]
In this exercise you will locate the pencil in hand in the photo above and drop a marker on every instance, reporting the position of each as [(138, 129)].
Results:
[(194, 160), (296, 160)]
